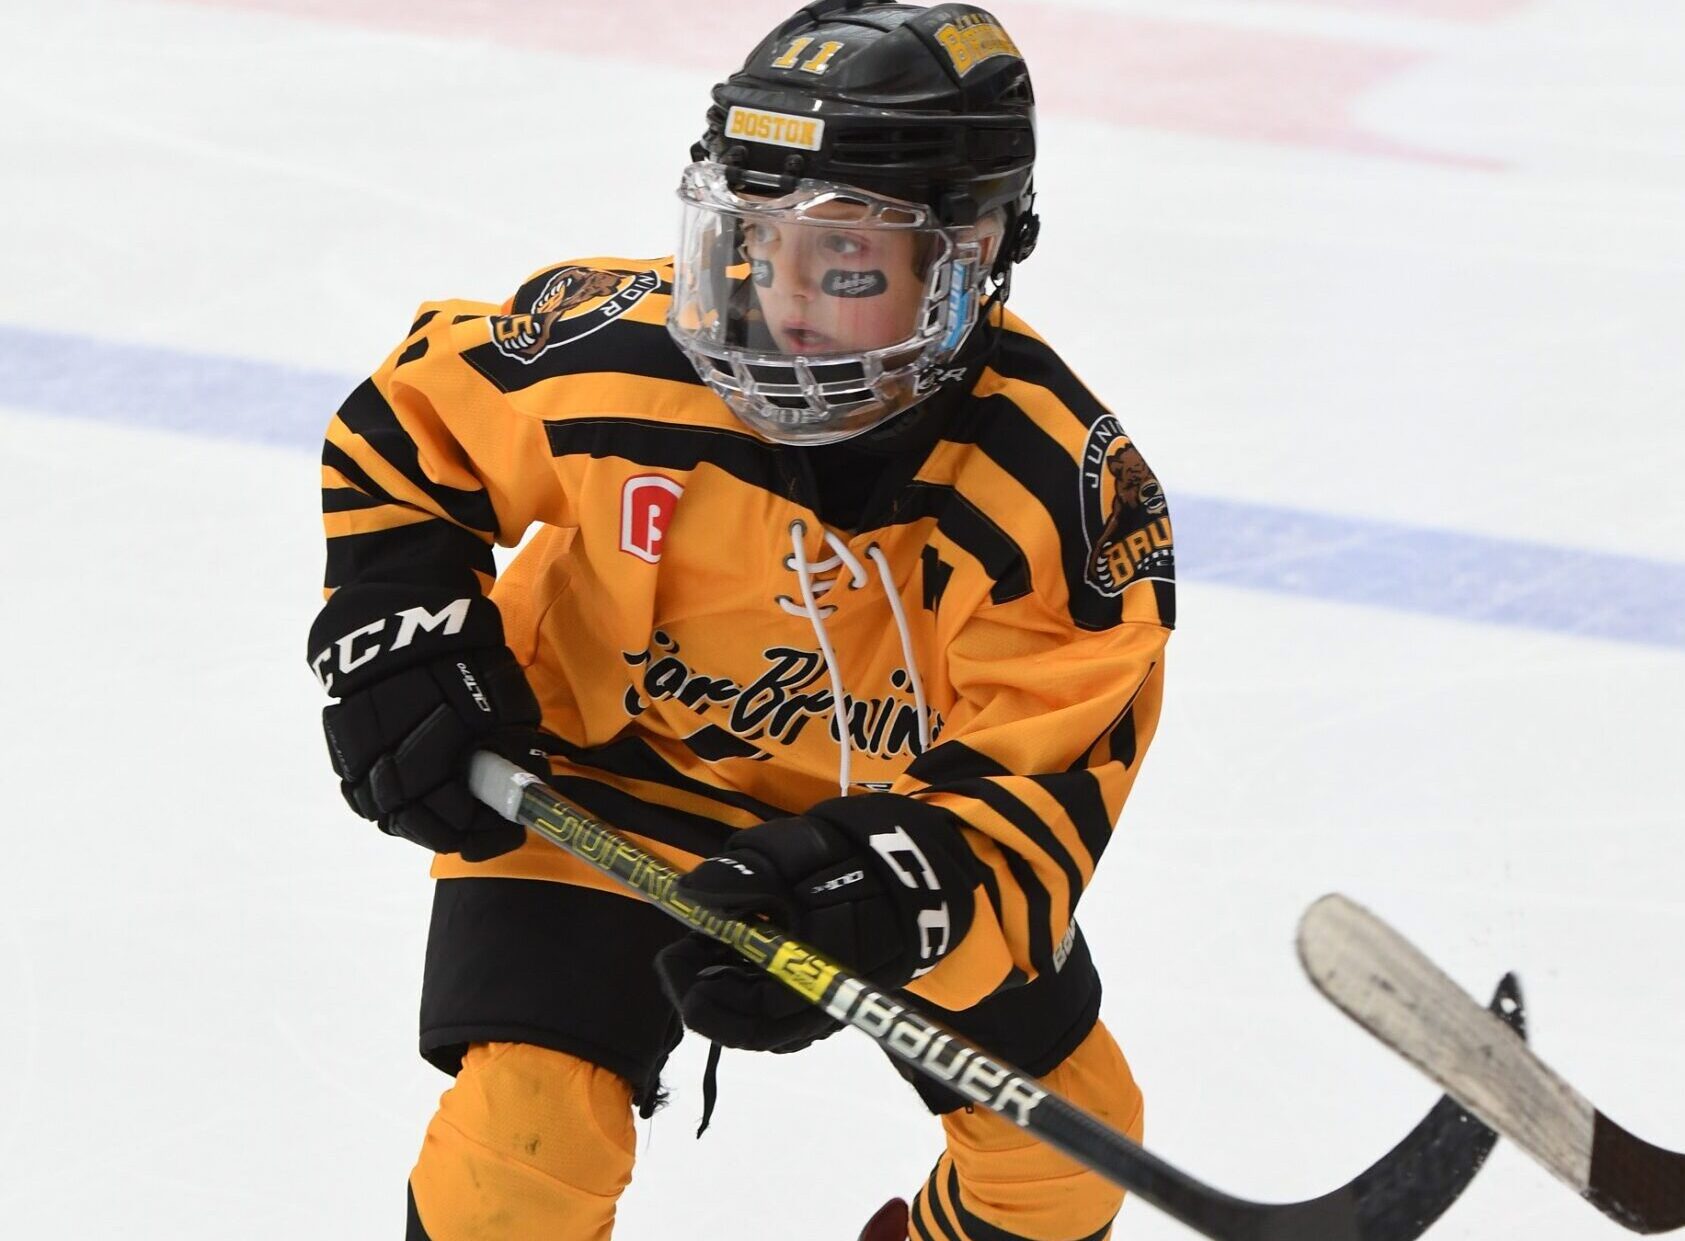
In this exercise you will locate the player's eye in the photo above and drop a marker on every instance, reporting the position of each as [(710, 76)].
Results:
[(757, 236), (844, 245)]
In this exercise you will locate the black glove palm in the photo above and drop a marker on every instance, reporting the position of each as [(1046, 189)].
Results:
[(881, 883)]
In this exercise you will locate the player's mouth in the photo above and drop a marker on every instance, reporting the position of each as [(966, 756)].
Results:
[(802, 339)]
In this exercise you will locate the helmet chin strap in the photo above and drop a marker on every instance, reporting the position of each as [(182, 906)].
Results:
[(1002, 280), (1017, 244)]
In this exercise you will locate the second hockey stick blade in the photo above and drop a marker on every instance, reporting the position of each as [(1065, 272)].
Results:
[(1395, 1200), (1384, 983), (1400, 1195)]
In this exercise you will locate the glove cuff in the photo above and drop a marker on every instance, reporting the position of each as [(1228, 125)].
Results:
[(923, 862), (370, 630)]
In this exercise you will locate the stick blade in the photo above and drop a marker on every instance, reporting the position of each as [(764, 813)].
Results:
[(1384, 983), (1416, 1182), (1381, 981)]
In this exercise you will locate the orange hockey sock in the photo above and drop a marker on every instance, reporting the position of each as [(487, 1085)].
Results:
[(997, 1183), (527, 1143)]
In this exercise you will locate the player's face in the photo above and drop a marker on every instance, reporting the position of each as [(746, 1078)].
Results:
[(836, 290)]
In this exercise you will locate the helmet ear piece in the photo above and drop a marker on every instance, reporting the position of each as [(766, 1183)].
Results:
[(1011, 242), (1026, 232)]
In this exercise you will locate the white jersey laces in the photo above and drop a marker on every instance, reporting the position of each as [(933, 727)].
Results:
[(816, 612)]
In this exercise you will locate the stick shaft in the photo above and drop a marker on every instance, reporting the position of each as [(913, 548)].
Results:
[(928, 1046)]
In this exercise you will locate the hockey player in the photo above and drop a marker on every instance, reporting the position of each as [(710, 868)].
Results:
[(845, 596)]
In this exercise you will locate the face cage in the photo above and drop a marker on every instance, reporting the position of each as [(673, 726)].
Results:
[(803, 401)]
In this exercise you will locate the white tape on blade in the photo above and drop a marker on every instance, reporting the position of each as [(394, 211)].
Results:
[(1379, 979)]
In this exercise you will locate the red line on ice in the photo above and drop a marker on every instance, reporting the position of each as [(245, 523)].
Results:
[(1182, 76), (1443, 10)]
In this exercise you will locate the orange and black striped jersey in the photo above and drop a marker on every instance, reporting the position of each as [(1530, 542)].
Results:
[(1019, 580)]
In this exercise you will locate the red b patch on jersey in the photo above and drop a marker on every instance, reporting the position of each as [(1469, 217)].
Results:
[(646, 508)]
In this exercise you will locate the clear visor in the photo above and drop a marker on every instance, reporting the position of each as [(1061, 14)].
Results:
[(818, 273)]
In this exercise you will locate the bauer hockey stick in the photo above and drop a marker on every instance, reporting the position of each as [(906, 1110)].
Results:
[(1395, 1200), (1384, 983)]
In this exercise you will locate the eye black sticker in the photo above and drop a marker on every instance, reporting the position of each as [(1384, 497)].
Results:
[(839, 283), (761, 269)]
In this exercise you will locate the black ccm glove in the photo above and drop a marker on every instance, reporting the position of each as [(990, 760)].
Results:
[(421, 687), (883, 883)]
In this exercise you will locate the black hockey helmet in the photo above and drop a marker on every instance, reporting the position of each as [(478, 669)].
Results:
[(853, 211), (932, 105)]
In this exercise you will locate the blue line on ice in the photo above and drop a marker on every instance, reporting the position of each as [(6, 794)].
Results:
[(147, 386), (1312, 555)]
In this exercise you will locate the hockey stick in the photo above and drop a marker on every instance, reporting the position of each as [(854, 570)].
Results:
[(1395, 1200), (1379, 979)]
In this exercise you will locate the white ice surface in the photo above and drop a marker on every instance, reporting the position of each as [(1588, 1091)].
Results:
[(208, 969)]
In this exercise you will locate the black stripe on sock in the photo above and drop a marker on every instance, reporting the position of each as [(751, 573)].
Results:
[(950, 1231), (413, 1230), (981, 1230)]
